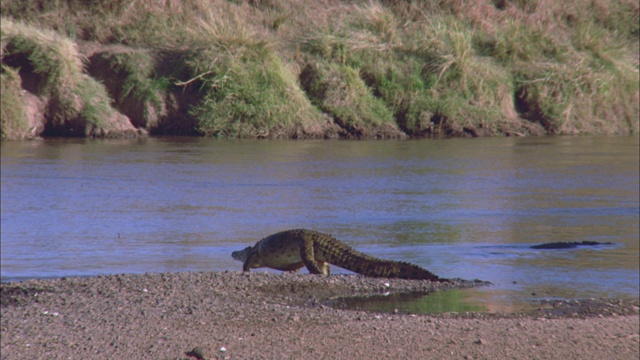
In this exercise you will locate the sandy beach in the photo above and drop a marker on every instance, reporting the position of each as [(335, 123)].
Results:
[(231, 315)]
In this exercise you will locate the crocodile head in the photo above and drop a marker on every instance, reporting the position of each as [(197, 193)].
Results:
[(242, 255)]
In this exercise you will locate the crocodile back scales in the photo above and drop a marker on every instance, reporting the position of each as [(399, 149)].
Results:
[(329, 249)]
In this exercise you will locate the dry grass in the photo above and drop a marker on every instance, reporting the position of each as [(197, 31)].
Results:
[(465, 68), (14, 121), (52, 68)]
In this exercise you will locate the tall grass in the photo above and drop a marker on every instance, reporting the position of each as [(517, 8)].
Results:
[(281, 68), (53, 69), (137, 89), (14, 121), (248, 92)]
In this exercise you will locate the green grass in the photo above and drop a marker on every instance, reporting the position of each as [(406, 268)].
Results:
[(283, 68), (339, 91), (429, 77), (52, 58), (248, 92), (78, 104), (135, 86), (14, 122)]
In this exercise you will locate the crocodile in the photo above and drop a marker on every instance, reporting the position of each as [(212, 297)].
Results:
[(569, 245), (291, 250)]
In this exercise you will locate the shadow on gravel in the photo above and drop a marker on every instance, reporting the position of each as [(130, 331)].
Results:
[(19, 295)]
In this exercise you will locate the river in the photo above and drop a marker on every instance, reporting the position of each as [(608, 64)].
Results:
[(462, 208)]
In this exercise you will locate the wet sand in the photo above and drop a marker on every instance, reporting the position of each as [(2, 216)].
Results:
[(231, 315)]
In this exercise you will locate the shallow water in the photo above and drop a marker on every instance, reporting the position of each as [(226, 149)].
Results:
[(460, 208)]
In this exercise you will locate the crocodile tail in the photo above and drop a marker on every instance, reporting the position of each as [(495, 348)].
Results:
[(340, 254), (414, 272), (374, 267)]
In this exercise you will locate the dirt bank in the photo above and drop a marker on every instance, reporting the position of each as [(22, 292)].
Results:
[(277, 316)]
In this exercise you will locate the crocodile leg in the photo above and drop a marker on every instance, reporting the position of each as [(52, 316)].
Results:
[(326, 268), (253, 261), (292, 249), (308, 257)]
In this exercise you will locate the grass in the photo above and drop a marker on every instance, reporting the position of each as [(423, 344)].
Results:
[(133, 83), (283, 68), (248, 92), (14, 121), (339, 91), (51, 58), (52, 68)]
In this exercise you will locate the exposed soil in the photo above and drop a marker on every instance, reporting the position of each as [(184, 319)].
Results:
[(135, 116), (232, 315)]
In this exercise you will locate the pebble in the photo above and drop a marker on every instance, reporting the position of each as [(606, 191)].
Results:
[(278, 303)]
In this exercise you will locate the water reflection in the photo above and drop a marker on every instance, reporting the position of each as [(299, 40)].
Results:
[(459, 300), (461, 208)]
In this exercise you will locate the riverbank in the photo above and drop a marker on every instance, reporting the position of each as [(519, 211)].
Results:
[(329, 69), (274, 316)]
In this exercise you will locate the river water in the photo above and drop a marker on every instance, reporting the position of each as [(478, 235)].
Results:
[(461, 208)]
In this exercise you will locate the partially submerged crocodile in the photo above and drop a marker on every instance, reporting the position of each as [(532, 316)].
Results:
[(291, 250), (569, 245)]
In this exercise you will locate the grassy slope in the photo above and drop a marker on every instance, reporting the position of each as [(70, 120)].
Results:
[(50, 66), (287, 68)]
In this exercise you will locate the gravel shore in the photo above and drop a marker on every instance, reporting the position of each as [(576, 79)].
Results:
[(232, 315)]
